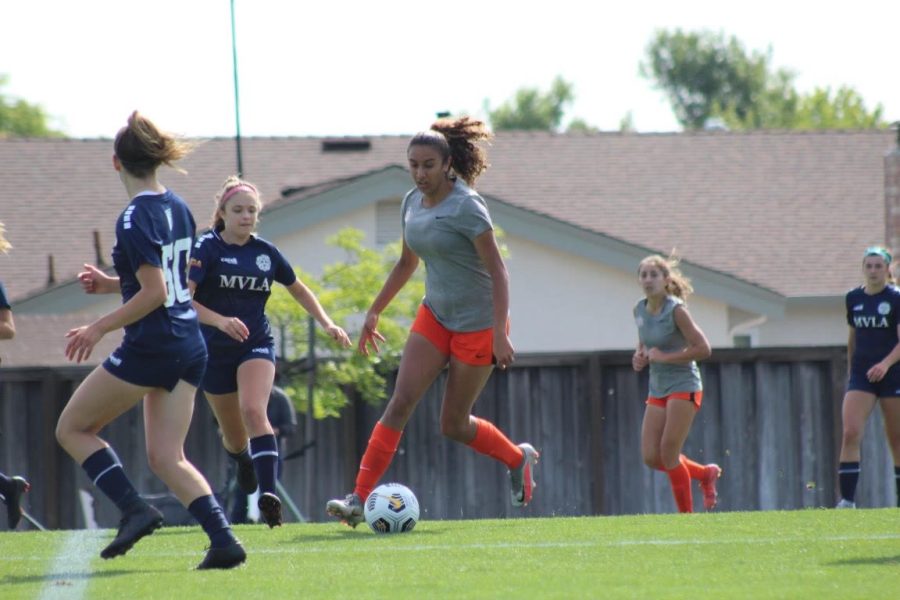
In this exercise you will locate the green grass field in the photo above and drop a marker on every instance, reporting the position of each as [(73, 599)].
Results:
[(798, 554)]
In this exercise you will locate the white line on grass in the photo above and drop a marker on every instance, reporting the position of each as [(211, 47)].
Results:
[(590, 544), (70, 572)]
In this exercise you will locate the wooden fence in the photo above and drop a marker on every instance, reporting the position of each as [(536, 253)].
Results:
[(770, 418)]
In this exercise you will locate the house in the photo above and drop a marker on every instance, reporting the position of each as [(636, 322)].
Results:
[(771, 225)]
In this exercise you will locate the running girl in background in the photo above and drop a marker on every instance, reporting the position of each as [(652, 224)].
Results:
[(12, 488), (231, 276), (670, 342), (873, 314), (463, 319), (162, 357)]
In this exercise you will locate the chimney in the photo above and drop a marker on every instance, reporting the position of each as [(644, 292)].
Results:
[(892, 194), (98, 250), (51, 271), (347, 144)]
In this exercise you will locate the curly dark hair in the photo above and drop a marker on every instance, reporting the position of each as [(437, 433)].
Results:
[(455, 138)]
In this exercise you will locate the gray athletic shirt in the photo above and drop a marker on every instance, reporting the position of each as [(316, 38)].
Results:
[(457, 285), (660, 331)]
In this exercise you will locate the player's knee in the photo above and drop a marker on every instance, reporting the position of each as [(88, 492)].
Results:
[(161, 461), (254, 417), (651, 459), (893, 439), (399, 409), (62, 433), (852, 435), (455, 429), (669, 452)]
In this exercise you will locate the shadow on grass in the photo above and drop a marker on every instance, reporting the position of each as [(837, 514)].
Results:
[(345, 533), (875, 560), (179, 530), (66, 579)]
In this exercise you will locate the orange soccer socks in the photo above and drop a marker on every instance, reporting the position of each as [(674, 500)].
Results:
[(696, 470), (680, 479), (379, 454), (490, 441)]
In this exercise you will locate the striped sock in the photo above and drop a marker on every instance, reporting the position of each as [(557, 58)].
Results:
[(242, 456), (377, 458), (106, 472), (212, 519), (490, 441), (680, 479), (264, 451), (848, 476)]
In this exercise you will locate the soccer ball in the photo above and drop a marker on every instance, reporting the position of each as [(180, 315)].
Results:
[(391, 508)]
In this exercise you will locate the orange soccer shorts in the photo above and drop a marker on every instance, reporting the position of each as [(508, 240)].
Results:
[(696, 398), (471, 347)]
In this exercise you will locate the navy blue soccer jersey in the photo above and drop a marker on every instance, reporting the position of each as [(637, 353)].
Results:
[(158, 230), (236, 281), (4, 301), (875, 319)]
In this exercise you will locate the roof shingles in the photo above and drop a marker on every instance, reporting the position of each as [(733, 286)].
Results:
[(785, 210)]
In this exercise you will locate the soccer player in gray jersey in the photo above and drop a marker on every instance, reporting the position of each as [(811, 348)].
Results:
[(670, 343), (463, 320)]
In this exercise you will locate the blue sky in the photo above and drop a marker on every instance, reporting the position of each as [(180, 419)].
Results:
[(353, 68)]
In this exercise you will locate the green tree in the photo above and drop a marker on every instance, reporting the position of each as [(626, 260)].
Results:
[(345, 290), (846, 110), (626, 123), (531, 109), (581, 126), (702, 71), (21, 119), (710, 78)]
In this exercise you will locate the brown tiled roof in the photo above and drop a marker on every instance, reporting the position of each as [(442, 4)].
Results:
[(789, 211)]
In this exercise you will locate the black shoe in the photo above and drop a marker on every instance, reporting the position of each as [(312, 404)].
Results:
[(14, 500), (224, 558), (246, 476), (135, 524), (270, 509)]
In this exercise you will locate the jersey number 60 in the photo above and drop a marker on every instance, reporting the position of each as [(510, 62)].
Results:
[(174, 260)]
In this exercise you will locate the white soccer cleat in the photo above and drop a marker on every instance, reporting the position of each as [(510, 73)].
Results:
[(521, 479), (845, 504), (349, 510)]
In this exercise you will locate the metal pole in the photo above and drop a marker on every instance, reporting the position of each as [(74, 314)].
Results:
[(290, 502), (237, 104), (311, 366)]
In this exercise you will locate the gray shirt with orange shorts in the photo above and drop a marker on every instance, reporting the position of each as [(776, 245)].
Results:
[(458, 288), (660, 331)]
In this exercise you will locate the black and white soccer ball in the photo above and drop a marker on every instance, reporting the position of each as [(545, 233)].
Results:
[(391, 508)]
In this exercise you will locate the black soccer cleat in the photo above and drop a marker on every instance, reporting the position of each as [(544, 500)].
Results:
[(135, 523), (14, 500), (224, 558), (270, 509), (246, 476)]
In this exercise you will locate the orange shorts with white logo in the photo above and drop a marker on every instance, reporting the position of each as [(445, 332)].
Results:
[(471, 347), (696, 398)]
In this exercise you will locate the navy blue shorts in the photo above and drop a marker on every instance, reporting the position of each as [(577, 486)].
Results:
[(159, 369), (221, 371), (888, 387)]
